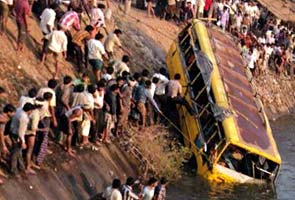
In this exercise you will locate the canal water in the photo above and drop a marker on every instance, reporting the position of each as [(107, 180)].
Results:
[(193, 187)]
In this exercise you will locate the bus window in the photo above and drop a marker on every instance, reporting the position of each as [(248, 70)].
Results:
[(201, 98), (248, 163), (186, 43), (194, 74), (184, 33), (190, 58), (197, 84), (189, 55)]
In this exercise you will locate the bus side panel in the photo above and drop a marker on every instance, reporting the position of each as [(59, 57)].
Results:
[(218, 89), (174, 66), (188, 123)]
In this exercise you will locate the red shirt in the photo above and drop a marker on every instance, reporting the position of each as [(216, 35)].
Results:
[(70, 19), (207, 5), (22, 9)]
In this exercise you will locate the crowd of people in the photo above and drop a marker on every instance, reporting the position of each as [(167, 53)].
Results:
[(153, 190), (266, 42), (80, 112), (84, 112)]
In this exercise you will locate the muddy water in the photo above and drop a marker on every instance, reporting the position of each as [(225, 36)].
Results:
[(193, 187)]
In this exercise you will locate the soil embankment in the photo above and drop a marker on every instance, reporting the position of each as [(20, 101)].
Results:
[(148, 40), (80, 178), (65, 178)]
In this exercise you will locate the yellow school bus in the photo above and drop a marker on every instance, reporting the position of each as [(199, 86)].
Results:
[(230, 135)]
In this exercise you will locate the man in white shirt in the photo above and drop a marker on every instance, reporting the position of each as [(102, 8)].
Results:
[(51, 85), (116, 194), (251, 59), (239, 19), (96, 54), (201, 5), (161, 83), (97, 17), (58, 43), (88, 116), (28, 99), (272, 39), (47, 24), (268, 35), (176, 96), (19, 126), (109, 74), (97, 127), (47, 19), (47, 115), (121, 66), (111, 41), (262, 40)]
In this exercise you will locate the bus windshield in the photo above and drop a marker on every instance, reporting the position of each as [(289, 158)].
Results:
[(247, 163)]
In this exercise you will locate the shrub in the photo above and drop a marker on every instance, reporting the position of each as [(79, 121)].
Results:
[(159, 152)]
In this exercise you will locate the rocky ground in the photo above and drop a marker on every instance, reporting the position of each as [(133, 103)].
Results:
[(277, 94)]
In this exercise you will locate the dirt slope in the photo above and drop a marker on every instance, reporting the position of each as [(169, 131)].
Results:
[(64, 178), (148, 40), (20, 71)]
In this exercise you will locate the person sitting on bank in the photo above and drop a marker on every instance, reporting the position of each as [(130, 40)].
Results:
[(175, 95)]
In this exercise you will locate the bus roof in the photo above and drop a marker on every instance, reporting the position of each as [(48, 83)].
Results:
[(251, 129)]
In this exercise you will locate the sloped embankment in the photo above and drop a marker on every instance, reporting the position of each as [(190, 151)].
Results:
[(277, 94), (22, 70), (64, 178)]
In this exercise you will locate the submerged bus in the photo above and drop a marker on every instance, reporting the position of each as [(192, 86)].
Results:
[(230, 135)]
